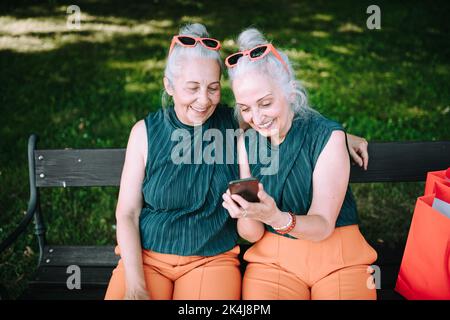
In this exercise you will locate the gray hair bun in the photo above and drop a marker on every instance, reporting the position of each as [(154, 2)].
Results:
[(250, 38), (194, 30)]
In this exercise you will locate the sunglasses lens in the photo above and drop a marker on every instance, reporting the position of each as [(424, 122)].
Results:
[(232, 60), (257, 52), (187, 40), (210, 43)]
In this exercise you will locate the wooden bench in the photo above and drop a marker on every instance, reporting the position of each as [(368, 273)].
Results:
[(389, 162)]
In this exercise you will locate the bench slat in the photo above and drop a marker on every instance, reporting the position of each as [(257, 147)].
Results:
[(403, 161), (94, 281), (92, 276), (97, 263), (79, 167), (83, 256), (388, 294), (389, 162), (388, 255), (98, 293), (60, 292)]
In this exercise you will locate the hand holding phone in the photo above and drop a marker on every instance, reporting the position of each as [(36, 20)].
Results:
[(247, 188)]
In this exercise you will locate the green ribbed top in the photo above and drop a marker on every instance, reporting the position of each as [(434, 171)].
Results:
[(182, 212), (291, 187)]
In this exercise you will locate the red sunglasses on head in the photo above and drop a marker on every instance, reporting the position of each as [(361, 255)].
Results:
[(188, 41), (255, 53)]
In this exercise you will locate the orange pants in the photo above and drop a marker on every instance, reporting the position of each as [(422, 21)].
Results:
[(335, 268), (170, 276)]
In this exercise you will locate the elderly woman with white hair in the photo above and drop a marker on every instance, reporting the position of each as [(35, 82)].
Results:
[(305, 225), (175, 239)]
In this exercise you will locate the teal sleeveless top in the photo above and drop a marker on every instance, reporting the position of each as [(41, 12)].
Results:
[(291, 186), (182, 212)]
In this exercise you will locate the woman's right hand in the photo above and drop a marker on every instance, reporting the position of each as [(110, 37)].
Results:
[(136, 294)]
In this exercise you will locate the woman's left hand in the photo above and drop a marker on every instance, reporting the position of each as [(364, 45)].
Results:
[(358, 148), (265, 211)]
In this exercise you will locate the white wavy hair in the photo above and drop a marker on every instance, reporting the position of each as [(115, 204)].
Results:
[(273, 68), (181, 54)]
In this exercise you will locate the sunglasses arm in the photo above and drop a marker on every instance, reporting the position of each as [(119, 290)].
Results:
[(274, 51), (174, 40)]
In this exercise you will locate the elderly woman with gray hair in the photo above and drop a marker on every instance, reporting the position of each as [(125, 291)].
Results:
[(175, 239), (305, 225)]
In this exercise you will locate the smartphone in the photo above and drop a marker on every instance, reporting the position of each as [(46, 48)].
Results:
[(247, 188)]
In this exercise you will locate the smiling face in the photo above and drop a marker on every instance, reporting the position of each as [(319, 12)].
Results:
[(263, 105), (195, 90)]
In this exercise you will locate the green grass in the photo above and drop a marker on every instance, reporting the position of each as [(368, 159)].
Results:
[(85, 89)]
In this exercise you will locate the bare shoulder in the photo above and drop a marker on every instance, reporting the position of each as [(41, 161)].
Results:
[(139, 129), (335, 151), (337, 137), (335, 142), (138, 139)]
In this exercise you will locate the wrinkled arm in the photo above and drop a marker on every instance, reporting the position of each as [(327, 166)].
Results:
[(128, 209)]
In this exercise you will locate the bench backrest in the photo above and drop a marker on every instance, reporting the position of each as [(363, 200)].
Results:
[(388, 162)]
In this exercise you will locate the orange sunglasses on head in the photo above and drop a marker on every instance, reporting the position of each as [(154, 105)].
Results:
[(255, 53), (188, 41)]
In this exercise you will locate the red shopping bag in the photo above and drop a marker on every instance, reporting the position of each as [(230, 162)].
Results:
[(425, 268), (436, 176)]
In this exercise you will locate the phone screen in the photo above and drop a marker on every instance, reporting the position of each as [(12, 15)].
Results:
[(246, 188)]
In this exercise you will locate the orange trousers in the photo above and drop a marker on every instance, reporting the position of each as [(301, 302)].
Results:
[(333, 269), (170, 276)]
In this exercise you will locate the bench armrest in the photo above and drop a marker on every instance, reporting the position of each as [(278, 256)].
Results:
[(32, 203)]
